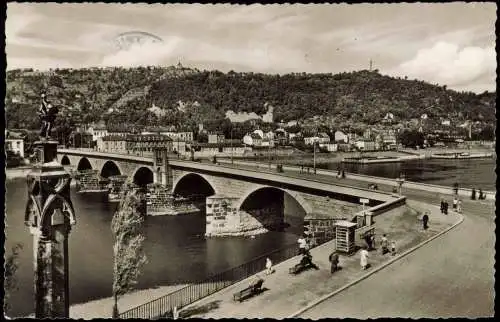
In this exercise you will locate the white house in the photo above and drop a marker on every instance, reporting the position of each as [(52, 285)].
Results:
[(341, 137), (15, 144), (445, 122), (365, 145), (254, 139), (330, 147)]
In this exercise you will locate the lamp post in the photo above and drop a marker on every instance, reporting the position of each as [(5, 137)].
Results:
[(314, 155), (232, 145)]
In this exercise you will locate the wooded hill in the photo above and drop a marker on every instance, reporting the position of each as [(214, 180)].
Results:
[(124, 95)]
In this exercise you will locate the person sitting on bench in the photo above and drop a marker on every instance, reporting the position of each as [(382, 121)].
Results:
[(254, 288), (306, 261), (256, 283)]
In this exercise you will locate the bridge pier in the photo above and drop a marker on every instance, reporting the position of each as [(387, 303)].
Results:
[(160, 201), (161, 173), (223, 218), (90, 181), (116, 187)]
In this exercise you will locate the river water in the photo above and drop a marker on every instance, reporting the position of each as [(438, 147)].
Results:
[(177, 250), (469, 173)]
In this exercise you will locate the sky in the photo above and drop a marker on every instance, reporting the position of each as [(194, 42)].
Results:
[(449, 44)]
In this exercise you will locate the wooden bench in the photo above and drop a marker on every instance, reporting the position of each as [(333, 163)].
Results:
[(248, 292)]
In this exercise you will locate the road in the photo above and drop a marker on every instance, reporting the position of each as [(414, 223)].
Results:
[(452, 276)]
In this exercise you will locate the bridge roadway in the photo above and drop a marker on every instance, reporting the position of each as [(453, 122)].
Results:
[(251, 174)]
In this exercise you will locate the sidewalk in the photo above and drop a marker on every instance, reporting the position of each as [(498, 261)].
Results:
[(103, 308), (284, 293)]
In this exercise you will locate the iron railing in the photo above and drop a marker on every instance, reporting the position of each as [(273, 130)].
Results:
[(163, 306)]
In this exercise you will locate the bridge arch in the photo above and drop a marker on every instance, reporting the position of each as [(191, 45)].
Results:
[(84, 164), (65, 160), (193, 184), (275, 208), (110, 168), (142, 176)]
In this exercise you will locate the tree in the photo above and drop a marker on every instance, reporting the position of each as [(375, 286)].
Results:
[(10, 280), (129, 256), (411, 138)]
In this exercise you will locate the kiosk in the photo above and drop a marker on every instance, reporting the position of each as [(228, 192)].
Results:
[(345, 237)]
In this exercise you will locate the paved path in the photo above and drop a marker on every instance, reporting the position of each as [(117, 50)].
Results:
[(285, 294), (450, 277)]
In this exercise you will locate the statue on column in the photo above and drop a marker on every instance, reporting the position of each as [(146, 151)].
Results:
[(47, 113), (49, 215)]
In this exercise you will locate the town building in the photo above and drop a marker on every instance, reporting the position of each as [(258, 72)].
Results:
[(344, 147), (253, 139), (147, 143), (215, 138), (341, 137), (388, 118), (113, 144), (97, 130), (268, 117), (365, 145), (179, 136), (225, 149), (330, 147), (14, 142), (134, 144), (281, 137)]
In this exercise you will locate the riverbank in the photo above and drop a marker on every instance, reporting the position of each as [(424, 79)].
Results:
[(334, 157)]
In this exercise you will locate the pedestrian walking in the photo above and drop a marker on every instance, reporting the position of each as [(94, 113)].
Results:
[(368, 241), (269, 266), (338, 174), (343, 174), (459, 206), (334, 260), (385, 244), (302, 169), (372, 239), (425, 220), (302, 244), (446, 207), (473, 195), (442, 206), (481, 195), (363, 258), (455, 203), (393, 248)]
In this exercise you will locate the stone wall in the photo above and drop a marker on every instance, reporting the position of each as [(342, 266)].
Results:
[(222, 218), (89, 180), (161, 201)]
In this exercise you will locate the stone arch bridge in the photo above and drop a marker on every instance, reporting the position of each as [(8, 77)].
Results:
[(247, 195)]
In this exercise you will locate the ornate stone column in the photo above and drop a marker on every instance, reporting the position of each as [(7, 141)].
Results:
[(49, 216)]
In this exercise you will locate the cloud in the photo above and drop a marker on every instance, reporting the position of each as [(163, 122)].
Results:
[(253, 55), (447, 63), (145, 54)]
